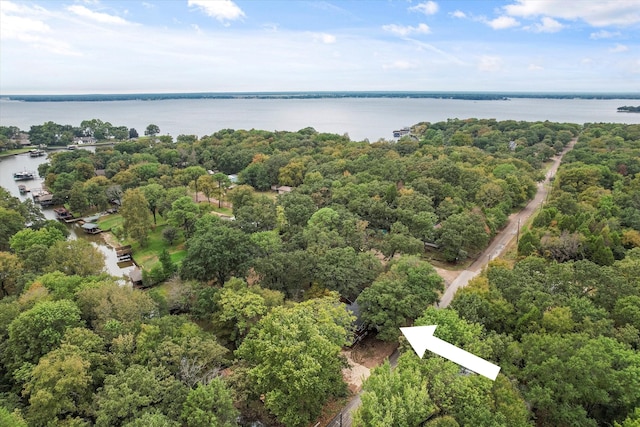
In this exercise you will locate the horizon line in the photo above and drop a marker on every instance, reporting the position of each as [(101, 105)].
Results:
[(459, 95)]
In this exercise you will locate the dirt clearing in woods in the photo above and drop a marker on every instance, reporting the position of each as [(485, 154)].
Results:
[(362, 358), (448, 275), (371, 352)]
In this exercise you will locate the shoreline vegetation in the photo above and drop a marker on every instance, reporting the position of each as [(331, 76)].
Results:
[(327, 247), (629, 109), (477, 96)]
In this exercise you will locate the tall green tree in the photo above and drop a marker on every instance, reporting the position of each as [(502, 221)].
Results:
[(223, 182), (136, 215), (462, 234), (112, 309), (77, 256), (78, 201), (574, 379), (259, 215), (23, 240), (293, 358), (217, 253), (13, 419), (210, 405), (395, 399), (10, 223), (154, 193), (183, 214), (207, 185), (10, 271), (60, 386), (152, 130), (240, 307), (131, 393), (189, 176), (396, 298), (40, 329)]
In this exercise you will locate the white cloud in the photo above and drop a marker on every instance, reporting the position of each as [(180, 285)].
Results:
[(324, 38), (103, 18), (547, 25), (428, 8), (34, 40), (21, 28), (404, 31), (459, 14), (502, 22), (27, 25), (222, 10), (489, 63), (596, 13), (398, 65), (604, 34), (618, 48)]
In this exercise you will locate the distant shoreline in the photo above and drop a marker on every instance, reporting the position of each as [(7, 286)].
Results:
[(473, 96)]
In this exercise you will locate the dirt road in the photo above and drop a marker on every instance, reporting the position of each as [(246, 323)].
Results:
[(503, 238), (494, 250)]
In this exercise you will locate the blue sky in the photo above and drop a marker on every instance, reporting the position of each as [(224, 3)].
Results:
[(94, 46)]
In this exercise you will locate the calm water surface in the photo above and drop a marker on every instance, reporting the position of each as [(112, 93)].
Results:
[(361, 118), (22, 162)]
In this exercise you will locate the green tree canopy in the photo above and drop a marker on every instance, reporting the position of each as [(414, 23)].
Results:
[(40, 329), (218, 253), (75, 257), (210, 405), (136, 215), (131, 393), (293, 357), (396, 298)]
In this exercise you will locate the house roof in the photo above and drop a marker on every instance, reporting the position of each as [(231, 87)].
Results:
[(136, 275), (355, 309), (89, 226)]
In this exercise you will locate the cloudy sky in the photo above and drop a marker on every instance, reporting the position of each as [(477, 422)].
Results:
[(108, 46)]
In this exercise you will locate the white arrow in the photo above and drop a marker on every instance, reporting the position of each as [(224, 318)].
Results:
[(421, 339)]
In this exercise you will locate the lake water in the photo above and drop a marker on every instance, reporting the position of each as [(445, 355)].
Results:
[(361, 118), (23, 162)]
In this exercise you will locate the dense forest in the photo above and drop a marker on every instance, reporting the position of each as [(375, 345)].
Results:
[(252, 243)]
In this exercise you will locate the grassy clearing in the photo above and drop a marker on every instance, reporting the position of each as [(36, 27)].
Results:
[(110, 221), (14, 152), (147, 257), (269, 193), (223, 210)]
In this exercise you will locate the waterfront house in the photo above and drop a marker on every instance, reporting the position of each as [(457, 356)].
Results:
[(46, 200), (91, 228), (63, 214)]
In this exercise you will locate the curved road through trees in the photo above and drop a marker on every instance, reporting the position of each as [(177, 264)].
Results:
[(495, 249)]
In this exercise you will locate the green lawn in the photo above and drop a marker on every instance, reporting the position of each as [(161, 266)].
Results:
[(110, 221), (223, 210), (16, 151), (146, 257)]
